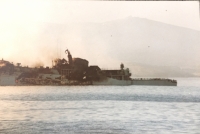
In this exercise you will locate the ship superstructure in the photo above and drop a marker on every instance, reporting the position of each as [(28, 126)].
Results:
[(74, 71)]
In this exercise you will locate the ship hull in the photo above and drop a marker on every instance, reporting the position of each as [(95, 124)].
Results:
[(111, 81), (139, 82), (154, 82), (7, 80)]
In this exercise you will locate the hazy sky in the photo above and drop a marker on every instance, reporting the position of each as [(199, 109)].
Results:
[(19, 20), (179, 13)]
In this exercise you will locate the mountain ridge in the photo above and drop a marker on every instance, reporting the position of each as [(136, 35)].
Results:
[(135, 40), (148, 43)]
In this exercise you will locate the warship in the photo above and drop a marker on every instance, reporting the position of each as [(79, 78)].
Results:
[(74, 71)]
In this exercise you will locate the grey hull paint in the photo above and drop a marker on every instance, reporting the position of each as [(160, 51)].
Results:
[(10, 81), (154, 83), (111, 81), (148, 82)]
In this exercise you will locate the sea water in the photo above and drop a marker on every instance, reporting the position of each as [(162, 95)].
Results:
[(101, 109)]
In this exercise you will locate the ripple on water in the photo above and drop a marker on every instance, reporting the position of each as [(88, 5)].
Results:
[(100, 109)]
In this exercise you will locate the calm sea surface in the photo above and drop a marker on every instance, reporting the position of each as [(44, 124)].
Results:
[(101, 109)]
